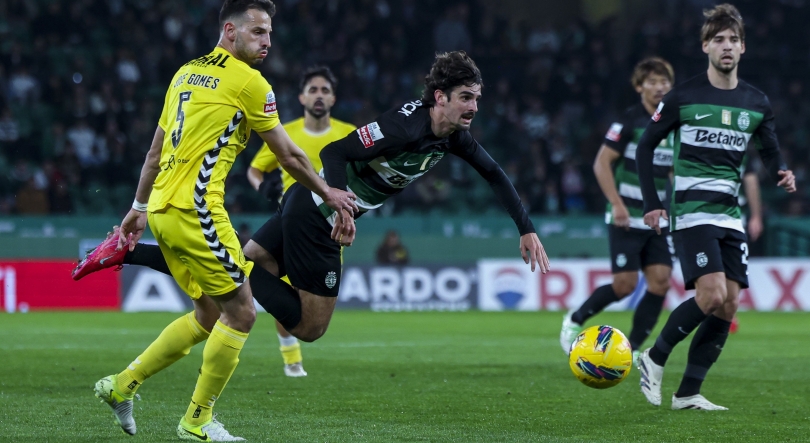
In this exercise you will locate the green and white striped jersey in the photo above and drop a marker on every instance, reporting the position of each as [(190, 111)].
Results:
[(712, 130), (623, 137)]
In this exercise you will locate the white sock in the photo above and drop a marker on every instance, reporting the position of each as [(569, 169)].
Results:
[(287, 341)]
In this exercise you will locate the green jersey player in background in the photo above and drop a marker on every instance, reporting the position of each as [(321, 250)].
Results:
[(633, 245), (714, 115)]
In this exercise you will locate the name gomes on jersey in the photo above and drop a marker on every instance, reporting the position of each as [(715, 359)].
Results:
[(369, 134)]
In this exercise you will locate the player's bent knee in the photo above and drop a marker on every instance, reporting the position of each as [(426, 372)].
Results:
[(660, 287), (309, 335), (624, 284), (261, 257)]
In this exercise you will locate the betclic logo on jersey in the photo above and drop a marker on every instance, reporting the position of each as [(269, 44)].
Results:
[(369, 134), (657, 115), (615, 132), (270, 103)]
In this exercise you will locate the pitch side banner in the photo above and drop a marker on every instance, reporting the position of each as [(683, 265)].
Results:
[(409, 288), (380, 288), (47, 285), (776, 285)]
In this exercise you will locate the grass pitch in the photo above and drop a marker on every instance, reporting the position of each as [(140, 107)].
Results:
[(400, 377)]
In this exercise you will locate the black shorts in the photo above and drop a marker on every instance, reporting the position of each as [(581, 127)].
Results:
[(634, 249), (705, 249), (300, 239)]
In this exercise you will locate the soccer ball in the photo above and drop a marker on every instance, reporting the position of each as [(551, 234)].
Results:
[(600, 357)]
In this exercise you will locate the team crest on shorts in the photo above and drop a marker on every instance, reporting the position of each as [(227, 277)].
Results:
[(702, 259), (743, 121), (331, 279), (621, 260)]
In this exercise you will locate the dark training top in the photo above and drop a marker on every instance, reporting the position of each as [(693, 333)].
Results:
[(383, 157), (712, 130)]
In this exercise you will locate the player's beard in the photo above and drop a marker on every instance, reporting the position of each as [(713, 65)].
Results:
[(724, 69), (245, 54), (317, 113)]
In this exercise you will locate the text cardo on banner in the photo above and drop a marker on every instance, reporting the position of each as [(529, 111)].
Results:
[(776, 284)]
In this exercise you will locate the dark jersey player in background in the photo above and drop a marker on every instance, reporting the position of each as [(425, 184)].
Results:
[(714, 115), (633, 245)]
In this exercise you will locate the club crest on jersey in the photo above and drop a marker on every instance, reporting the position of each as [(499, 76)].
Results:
[(615, 132), (621, 260), (726, 119), (702, 260), (743, 121), (270, 103), (331, 279), (369, 134), (657, 115)]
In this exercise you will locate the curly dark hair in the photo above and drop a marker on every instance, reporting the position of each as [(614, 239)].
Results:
[(317, 71), (451, 69), (720, 18), (234, 7)]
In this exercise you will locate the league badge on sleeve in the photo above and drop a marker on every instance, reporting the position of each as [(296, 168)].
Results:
[(369, 134), (270, 103), (657, 115), (615, 132)]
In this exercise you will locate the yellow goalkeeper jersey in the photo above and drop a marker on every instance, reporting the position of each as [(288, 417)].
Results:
[(212, 104), (311, 143)]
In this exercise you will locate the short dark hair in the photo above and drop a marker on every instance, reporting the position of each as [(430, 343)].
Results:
[(720, 18), (317, 71), (451, 69), (235, 7), (651, 65)]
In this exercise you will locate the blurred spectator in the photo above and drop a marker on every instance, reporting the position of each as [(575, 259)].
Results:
[(80, 85), (391, 251)]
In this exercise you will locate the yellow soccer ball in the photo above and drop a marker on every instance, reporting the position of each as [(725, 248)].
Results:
[(600, 357)]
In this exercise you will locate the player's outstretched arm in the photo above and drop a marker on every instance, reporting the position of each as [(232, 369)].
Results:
[(293, 160), (134, 222)]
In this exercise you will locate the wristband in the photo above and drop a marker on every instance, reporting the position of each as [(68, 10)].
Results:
[(138, 206)]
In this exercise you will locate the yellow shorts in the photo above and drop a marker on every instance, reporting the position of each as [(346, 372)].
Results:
[(204, 254)]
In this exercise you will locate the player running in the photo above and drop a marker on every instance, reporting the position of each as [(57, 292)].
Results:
[(311, 132), (211, 105), (714, 115), (633, 245), (303, 240)]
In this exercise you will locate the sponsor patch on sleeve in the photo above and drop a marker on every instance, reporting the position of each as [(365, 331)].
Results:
[(369, 134), (615, 132), (657, 115), (270, 103)]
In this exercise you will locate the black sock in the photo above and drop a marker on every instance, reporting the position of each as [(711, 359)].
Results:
[(645, 318), (683, 320), (601, 297), (149, 256), (276, 297), (705, 349)]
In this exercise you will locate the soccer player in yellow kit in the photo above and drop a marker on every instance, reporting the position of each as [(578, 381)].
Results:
[(212, 104), (311, 133)]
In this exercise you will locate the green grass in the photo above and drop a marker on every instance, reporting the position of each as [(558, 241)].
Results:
[(400, 377)]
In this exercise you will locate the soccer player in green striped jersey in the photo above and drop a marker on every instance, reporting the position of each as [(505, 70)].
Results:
[(634, 246), (714, 116)]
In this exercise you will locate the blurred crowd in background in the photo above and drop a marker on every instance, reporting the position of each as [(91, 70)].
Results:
[(82, 84)]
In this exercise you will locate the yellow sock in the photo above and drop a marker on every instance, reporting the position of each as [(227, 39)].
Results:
[(220, 357), (172, 344), (291, 354)]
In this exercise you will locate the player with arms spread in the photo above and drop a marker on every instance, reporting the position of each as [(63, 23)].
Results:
[(211, 105), (633, 245), (714, 114), (376, 162), (311, 133)]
